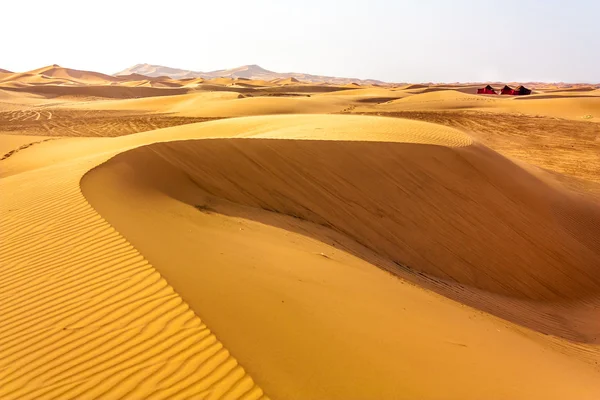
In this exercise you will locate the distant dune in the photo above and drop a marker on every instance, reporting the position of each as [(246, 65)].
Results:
[(245, 71), (583, 105), (71, 75), (224, 104), (286, 81)]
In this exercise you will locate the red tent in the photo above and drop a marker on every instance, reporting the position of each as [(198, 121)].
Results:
[(509, 90), (486, 90), (522, 90)]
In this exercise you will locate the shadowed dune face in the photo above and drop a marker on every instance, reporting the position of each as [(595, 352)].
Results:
[(464, 214), (256, 233)]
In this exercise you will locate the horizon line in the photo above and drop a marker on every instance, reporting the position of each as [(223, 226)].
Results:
[(318, 75)]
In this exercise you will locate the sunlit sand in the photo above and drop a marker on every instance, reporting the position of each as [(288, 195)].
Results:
[(225, 237)]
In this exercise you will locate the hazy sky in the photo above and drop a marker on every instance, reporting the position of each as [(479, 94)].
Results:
[(400, 41)]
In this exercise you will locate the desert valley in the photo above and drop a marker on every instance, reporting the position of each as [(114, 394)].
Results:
[(246, 234)]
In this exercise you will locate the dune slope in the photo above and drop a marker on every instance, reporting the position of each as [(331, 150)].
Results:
[(273, 242), (83, 314), (417, 206)]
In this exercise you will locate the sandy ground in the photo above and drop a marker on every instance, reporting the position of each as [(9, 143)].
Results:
[(438, 244), (10, 144)]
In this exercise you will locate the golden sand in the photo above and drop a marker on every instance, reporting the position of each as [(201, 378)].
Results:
[(296, 256)]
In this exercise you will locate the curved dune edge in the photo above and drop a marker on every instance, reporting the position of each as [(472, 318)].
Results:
[(308, 127), (307, 325), (414, 204), (84, 315)]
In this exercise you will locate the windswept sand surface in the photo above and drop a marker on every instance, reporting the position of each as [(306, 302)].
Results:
[(83, 313), (296, 256)]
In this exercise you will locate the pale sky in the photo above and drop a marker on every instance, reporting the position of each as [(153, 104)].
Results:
[(396, 41)]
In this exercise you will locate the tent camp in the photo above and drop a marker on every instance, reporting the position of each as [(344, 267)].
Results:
[(522, 90), (508, 90), (486, 90)]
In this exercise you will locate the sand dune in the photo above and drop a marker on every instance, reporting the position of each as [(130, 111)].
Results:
[(220, 81), (509, 208), (14, 98), (413, 86), (319, 210), (171, 104), (584, 105), (137, 83), (62, 74), (103, 91), (155, 84), (136, 77), (358, 97), (17, 103), (192, 82), (579, 107), (24, 79), (57, 81), (244, 82), (366, 92), (585, 88), (86, 77), (557, 95), (93, 318), (262, 106), (287, 81), (224, 104), (441, 99)]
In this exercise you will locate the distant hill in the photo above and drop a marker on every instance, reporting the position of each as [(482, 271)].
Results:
[(57, 74), (5, 71), (245, 71)]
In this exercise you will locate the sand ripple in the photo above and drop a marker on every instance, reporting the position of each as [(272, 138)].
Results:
[(83, 314)]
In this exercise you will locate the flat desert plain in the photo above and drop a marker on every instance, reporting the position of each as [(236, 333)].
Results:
[(234, 238)]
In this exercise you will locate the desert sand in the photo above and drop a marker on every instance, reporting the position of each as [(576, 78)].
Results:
[(238, 238)]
